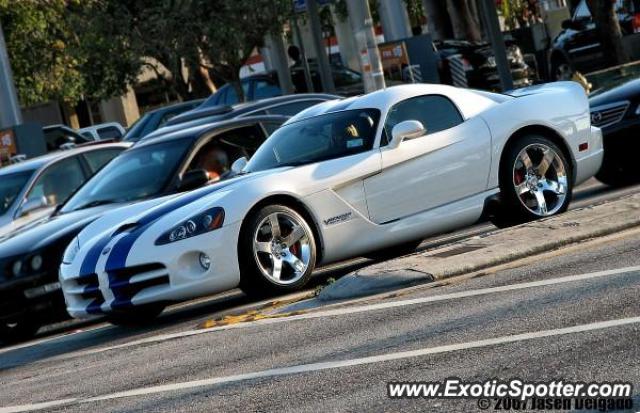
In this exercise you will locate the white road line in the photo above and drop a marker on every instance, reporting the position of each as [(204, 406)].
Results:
[(359, 309), (305, 368)]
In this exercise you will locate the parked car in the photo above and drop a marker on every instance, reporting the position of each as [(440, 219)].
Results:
[(616, 110), (110, 131), (157, 118), (341, 179), (31, 189), (265, 85), (62, 137), (577, 47), (472, 64), (30, 294), (282, 105)]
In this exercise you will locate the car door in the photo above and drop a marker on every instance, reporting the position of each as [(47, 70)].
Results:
[(450, 162)]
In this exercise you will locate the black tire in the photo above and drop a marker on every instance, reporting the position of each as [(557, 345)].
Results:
[(511, 210), (616, 176), (395, 251), (19, 330), (618, 166), (137, 316), (252, 279)]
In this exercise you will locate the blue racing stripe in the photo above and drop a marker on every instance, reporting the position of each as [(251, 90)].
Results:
[(91, 259)]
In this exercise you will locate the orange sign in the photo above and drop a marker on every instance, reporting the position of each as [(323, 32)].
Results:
[(7, 144), (394, 58)]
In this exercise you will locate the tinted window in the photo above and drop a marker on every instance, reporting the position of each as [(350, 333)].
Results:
[(136, 131), (109, 132), (58, 181), (264, 89), (138, 173), (98, 159), (10, 187), (345, 77), (435, 112), (329, 136), (271, 127), (290, 109)]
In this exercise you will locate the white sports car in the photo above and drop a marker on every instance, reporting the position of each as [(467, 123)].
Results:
[(344, 178)]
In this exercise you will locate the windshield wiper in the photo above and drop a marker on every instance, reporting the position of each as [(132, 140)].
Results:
[(96, 203)]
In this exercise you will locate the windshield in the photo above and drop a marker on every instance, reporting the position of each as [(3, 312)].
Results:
[(10, 187), (320, 138), (134, 132), (136, 174)]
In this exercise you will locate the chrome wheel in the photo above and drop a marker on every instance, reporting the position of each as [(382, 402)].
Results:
[(540, 179), (281, 247)]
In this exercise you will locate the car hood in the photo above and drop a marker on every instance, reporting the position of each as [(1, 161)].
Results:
[(616, 91), (45, 231), (148, 211)]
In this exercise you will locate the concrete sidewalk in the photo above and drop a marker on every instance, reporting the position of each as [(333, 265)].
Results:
[(488, 250)]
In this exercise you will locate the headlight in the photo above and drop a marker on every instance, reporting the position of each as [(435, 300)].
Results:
[(36, 262), (71, 251), (199, 224)]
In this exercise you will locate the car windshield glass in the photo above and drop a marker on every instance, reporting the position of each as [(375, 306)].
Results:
[(136, 174), (329, 136), (134, 132), (10, 187)]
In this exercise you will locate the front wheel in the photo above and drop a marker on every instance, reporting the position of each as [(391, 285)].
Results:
[(535, 181), (277, 251)]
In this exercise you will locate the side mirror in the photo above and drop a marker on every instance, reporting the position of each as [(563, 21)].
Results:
[(409, 129), (238, 165), (33, 205), (193, 179)]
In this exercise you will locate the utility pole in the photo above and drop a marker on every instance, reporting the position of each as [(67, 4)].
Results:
[(10, 114), (303, 55), (362, 25), (491, 23), (279, 61), (326, 76)]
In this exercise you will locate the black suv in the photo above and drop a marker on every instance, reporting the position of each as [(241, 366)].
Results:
[(577, 47)]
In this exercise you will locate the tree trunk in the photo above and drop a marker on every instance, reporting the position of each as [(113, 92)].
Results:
[(465, 27), (608, 28), (437, 19)]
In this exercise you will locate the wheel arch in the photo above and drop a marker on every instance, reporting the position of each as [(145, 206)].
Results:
[(545, 132), (295, 204)]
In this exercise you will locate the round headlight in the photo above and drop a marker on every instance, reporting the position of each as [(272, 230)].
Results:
[(191, 227), (205, 261), (36, 262), (16, 268), (178, 233), (71, 251)]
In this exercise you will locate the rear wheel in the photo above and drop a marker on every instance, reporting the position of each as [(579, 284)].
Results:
[(18, 330), (277, 251), (535, 181), (137, 316)]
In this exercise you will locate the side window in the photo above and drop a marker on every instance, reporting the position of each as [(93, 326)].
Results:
[(109, 132), (58, 182), (98, 159), (436, 113), (290, 109), (87, 135), (582, 12), (264, 89)]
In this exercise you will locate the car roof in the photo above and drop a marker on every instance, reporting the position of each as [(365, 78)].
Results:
[(226, 112), (38, 162), (198, 131), (179, 105)]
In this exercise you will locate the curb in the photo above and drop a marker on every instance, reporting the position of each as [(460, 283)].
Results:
[(489, 250)]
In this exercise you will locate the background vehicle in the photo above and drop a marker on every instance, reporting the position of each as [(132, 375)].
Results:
[(155, 119), (111, 131), (472, 64), (32, 189), (62, 137), (29, 259), (577, 47), (282, 106), (266, 85), (341, 179), (616, 110)]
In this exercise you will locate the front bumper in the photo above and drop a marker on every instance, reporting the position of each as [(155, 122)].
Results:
[(154, 273), (589, 163), (35, 295)]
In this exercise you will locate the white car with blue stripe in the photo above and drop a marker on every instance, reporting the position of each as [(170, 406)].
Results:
[(344, 178)]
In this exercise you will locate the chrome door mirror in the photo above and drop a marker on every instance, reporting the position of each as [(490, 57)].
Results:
[(238, 165), (33, 205), (409, 129)]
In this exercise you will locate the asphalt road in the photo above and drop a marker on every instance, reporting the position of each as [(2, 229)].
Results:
[(342, 361)]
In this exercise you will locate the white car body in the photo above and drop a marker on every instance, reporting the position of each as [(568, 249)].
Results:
[(109, 131), (358, 203)]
